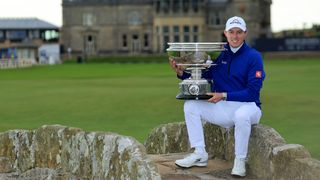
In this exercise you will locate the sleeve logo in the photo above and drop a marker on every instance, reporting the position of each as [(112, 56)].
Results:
[(258, 74)]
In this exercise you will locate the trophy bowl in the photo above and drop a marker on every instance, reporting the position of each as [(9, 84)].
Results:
[(194, 58)]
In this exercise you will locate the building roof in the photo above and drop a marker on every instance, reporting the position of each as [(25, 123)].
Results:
[(25, 23)]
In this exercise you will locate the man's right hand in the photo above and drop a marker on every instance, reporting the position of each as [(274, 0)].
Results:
[(175, 67)]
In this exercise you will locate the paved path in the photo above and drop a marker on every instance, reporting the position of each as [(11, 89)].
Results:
[(217, 169)]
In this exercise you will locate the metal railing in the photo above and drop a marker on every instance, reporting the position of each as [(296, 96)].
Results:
[(16, 63)]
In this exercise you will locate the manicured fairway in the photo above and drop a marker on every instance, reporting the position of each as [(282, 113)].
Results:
[(131, 99), (292, 101)]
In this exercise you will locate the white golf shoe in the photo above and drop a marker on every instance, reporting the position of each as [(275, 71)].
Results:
[(193, 159), (239, 167)]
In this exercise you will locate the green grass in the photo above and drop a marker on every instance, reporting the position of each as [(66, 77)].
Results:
[(292, 100), (131, 99)]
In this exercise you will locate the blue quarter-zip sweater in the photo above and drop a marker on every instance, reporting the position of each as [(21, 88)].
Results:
[(240, 74)]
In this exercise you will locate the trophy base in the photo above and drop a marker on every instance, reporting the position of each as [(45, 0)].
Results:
[(192, 97)]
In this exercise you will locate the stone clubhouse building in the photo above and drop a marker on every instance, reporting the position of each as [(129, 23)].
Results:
[(106, 27)]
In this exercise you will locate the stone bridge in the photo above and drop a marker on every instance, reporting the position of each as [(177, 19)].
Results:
[(59, 152)]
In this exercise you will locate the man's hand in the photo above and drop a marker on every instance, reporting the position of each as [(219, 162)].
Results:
[(175, 67), (216, 97)]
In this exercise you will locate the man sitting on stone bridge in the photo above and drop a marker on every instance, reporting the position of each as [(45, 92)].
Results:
[(238, 78)]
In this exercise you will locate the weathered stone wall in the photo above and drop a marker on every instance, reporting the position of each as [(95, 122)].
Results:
[(58, 152), (173, 138), (269, 156)]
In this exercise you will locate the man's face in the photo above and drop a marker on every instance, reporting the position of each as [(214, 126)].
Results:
[(235, 36)]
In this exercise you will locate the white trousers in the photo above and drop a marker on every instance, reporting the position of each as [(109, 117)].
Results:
[(226, 114)]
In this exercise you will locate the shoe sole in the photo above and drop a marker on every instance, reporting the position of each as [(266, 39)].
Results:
[(198, 164), (238, 175)]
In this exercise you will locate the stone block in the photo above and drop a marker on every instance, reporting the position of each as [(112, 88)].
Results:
[(59, 152)]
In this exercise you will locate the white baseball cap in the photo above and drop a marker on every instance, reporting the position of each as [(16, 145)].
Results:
[(236, 21)]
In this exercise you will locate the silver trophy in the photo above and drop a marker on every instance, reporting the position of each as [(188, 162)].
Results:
[(194, 58)]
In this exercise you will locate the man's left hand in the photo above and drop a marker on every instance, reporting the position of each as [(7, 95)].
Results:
[(216, 97)]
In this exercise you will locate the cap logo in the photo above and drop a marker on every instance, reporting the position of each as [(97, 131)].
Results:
[(235, 21)]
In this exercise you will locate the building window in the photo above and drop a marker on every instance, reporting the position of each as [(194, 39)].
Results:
[(195, 30), (88, 19), (195, 38), (186, 33), (185, 5), (176, 33), (176, 38), (1, 35), (165, 29), (176, 29), (158, 6), (124, 41), (146, 40), (134, 18), (186, 38), (51, 35), (195, 5), (176, 7), (17, 34), (166, 39), (216, 18), (186, 29), (35, 34), (165, 5)]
